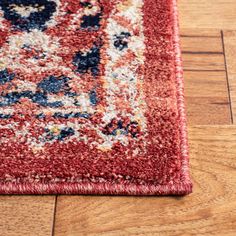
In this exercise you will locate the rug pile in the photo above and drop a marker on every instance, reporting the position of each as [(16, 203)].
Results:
[(91, 98)]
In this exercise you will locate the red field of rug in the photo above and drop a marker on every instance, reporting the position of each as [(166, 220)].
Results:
[(91, 98)]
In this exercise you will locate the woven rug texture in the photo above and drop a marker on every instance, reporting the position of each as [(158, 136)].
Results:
[(91, 98)]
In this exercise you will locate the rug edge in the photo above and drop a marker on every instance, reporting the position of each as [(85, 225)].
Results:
[(180, 99), (95, 189)]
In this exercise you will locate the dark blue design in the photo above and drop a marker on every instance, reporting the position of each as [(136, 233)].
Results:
[(54, 84), (86, 4), (5, 76), (49, 85), (132, 128), (71, 94), (9, 99), (71, 115), (41, 99), (38, 97), (120, 124), (40, 116), (88, 62), (64, 133), (91, 21), (93, 97), (36, 20), (5, 116), (113, 127), (121, 41), (60, 115)]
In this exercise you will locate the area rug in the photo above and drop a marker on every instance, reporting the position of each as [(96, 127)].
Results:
[(91, 98)]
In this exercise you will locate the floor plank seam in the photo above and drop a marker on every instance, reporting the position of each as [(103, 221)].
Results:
[(227, 77), (54, 216), (200, 53), (202, 70), (197, 36)]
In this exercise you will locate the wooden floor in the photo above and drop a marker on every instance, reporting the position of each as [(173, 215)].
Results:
[(208, 34)]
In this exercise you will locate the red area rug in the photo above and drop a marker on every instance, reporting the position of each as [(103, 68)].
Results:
[(91, 98)]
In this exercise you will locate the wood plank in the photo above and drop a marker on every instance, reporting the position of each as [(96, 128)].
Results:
[(230, 52), (206, 88), (207, 100), (205, 84), (26, 215), (202, 50), (207, 111), (201, 42), (196, 32), (214, 14), (209, 62), (210, 209)]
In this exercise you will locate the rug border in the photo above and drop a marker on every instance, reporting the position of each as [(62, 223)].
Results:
[(180, 100), (183, 188)]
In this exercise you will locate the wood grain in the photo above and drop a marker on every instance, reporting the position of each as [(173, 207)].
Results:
[(214, 14), (230, 52), (211, 209), (203, 61), (199, 33), (202, 50), (26, 215), (205, 42), (207, 99), (206, 88)]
